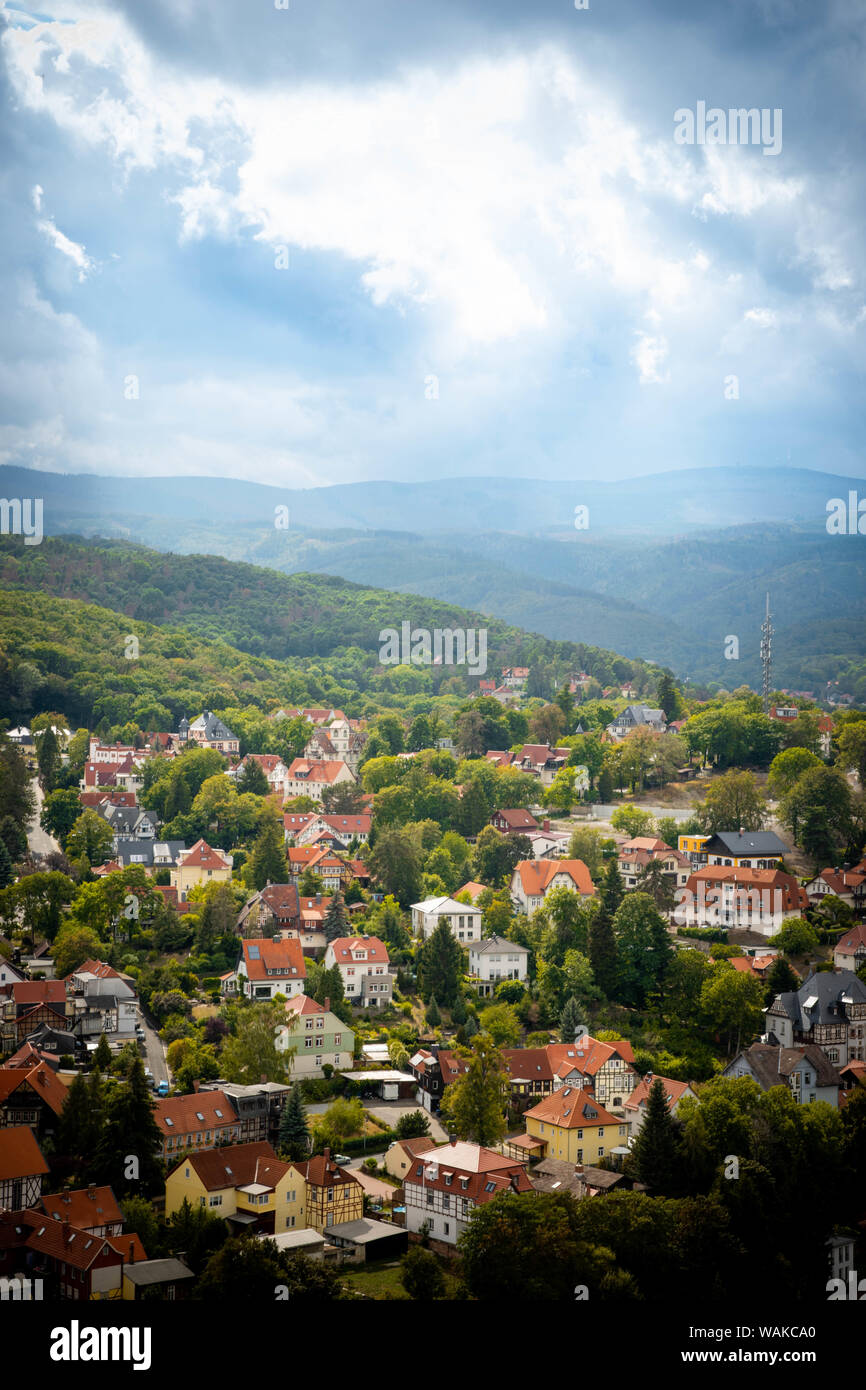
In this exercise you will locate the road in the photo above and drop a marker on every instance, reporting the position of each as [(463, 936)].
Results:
[(155, 1053), (38, 840)]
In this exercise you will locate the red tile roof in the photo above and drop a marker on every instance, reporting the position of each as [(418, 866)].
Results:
[(238, 1166), (572, 1109), (201, 856), (20, 1155), (41, 1079), (536, 875), (263, 958), (86, 1207), (179, 1115), (344, 948), (320, 1171)]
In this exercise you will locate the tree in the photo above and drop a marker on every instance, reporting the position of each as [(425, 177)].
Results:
[(196, 1232), (421, 1275), (395, 863), (336, 923), (546, 724), (633, 820), (533, 1242), (48, 759), (130, 1132), (252, 778), (656, 883), (602, 942), (585, 844), (252, 1052), (17, 801), (343, 799), (41, 900), (503, 1025), (668, 697), (440, 965), (732, 1003), (781, 979), (247, 1271), (414, 1124), (817, 811), (6, 869), (796, 937), (497, 855), (570, 1020), (561, 794), (80, 1124), (102, 1055), (787, 767), (852, 748), (60, 811), (139, 1218), (73, 945), (343, 1119), (294, 1129), (267, 862), (656, 1148), (90, 838), (643, 949), (475, 1103), (733, 801)]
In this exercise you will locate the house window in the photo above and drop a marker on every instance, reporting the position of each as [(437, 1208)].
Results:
[(580, 1155), (216, 1201)]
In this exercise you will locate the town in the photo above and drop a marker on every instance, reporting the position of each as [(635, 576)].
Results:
[(296, 1002)]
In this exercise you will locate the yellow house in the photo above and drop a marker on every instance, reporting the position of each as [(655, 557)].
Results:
[(401, 1155), (246, 1183), (573, 1126), (200, 864)]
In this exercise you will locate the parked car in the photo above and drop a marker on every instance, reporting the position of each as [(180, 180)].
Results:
[(139, 1033), (148, 1076), (162, 1089), (342, 1158)]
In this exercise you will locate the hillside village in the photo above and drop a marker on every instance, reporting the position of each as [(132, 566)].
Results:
[(359, 1006)]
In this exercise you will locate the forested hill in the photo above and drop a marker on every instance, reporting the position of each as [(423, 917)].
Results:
[(215, 633)]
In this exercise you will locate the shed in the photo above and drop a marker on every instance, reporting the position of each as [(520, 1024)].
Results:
[(367, 1240)]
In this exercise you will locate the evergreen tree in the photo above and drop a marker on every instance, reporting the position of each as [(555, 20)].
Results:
[(471, 1027), (48, 760), (656, 1149), (336, 921), (667, 697), (14, 836), (127, 1152), (433, 1016), (781, 979), (570, 1019), (102, 1055), (294, 1130), (440, 965), (268, 857), (6, 874), (475, 1103), (80, 1124), (252, 779), (16, 795), (459, 1012), (602, 943)]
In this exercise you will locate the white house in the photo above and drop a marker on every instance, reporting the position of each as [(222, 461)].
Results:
[(463, 919), (363, 964), (310, 777), (443, 1186), (804, 1070), (495, 959), (533, 879), (268, 966), (635, 1104)]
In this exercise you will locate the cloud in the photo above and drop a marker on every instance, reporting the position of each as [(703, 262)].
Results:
[(61, 243)]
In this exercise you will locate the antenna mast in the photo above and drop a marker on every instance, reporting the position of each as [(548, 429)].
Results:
[(767, 631)]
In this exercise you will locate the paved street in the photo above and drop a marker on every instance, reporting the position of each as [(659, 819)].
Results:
[(155, 1053), (37, 839)]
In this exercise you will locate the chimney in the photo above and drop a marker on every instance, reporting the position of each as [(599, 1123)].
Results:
[(263, 1078), (327, 1006), (91, 1192), (326, 1155), (195, 1085), (452, 1139), (545, 824), (132, 1252)]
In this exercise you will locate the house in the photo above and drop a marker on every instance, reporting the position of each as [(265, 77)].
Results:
[(752, 849), (571, 1124), (22, 1168), (9, 975), (258, 1106), (113, 754), (516, 822), (636, 717), (546, 843), (31, 1096), (333, 1194), (757, 900), (363, 963), (401, 1154), (310, 776), (635, 855), (74, 1264), (171, 1278), (314, 910), (494, 959), (268, 966), (515, 677), (804, 1070), (785, 712), (345, 828), (199, 1121), (92, 1209), (502, 758), (27, 1004), (542, 761), (96, 987), (318, 1036), (829, 1010), (200, 865), (849, 953), (636, 1104), (533, 879), (208, 731), (294, 822), (849, 885), (276, 908), (128, 822), (446, 1184), (246, 1184), (473, 889), (463, 919), (272, 766)]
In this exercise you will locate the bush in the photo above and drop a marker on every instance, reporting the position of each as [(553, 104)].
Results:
[(421, 1275), (703, 933)]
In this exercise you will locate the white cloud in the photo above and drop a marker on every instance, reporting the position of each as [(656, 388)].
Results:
[(76, 253), (649, 354)]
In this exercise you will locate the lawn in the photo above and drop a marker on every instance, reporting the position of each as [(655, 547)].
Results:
[(382, 1280)]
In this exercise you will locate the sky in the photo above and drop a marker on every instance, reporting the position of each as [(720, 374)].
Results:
[(336, 242)]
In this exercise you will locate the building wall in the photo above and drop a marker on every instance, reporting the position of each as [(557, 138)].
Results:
[(583, 1145)]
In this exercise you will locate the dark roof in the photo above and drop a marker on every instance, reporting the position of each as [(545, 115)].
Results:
[(157, 1272), (827, 989), (771, 1066), (748, 842)]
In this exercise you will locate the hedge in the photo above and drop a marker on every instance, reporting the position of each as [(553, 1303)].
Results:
[(704, 933)]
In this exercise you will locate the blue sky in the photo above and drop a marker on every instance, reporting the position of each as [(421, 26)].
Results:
[(499, 259)]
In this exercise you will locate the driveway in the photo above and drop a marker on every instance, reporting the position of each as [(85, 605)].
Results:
[(39, 842), (154, 1050)]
